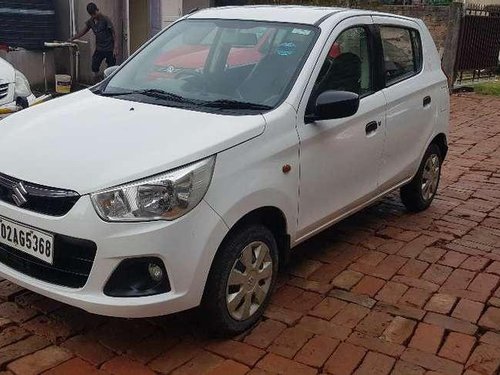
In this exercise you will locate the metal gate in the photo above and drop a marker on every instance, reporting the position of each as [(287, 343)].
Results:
[(27, 24), (479, 41)]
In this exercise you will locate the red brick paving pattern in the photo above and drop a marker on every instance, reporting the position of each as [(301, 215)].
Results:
[(384, 292)]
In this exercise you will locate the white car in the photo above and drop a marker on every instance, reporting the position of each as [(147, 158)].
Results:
[(147, 195), (15, 89)]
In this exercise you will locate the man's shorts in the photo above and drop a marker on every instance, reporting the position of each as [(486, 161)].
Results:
[(99, 56)]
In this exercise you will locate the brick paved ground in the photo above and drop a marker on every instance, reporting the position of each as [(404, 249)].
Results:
[(385, 292)]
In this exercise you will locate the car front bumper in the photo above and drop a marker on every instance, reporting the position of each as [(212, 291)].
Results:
[(186, 246), (9, 108)]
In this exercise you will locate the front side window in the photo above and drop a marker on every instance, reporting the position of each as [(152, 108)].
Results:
[(402, 53), (222, 64), (347, 66)]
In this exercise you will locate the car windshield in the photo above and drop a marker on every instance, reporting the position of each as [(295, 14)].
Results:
[(216, 65)]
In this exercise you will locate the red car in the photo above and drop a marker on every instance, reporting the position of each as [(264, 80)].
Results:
[(193, 57), (189, 58)]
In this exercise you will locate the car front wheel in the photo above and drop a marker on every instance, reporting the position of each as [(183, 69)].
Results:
[(241, 281)]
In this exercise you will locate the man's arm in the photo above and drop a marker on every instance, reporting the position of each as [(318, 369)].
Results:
[(81, 33)]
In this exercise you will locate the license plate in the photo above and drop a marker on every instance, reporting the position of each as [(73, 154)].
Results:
[(28, 240)]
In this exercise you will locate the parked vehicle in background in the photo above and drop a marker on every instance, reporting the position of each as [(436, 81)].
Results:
[(151, 194), (193, 55), (15, 90)]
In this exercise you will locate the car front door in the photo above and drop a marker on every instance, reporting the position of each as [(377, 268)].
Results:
[(340, 159)]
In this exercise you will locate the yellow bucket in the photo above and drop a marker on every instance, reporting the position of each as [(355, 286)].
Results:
[(63, 83)]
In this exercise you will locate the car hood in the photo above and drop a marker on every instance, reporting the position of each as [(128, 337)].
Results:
[(85, 142), (7, 72)]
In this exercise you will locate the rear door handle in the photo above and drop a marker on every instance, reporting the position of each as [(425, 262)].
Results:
[(427, 101), (371, 127)]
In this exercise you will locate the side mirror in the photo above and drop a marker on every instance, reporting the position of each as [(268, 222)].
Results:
[(331, 105), (110, 70)]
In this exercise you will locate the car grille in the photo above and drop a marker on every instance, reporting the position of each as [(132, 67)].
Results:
[(73, 260), (40, 199), (4, 90)]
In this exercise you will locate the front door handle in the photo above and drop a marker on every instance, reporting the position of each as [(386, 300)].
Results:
[(427, 101), (371, 127)]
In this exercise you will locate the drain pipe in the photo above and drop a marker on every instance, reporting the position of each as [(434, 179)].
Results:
[(77, 65), (72, 18), (44, 64), (73, 31)]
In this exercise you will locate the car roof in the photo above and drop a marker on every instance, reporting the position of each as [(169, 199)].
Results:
[(278, 13)]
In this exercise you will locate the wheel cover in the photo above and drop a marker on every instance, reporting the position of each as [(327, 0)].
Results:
[(430, 177), (249, 281)]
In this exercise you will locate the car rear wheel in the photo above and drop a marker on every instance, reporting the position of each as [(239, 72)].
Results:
[(419, 193), (241, 281)]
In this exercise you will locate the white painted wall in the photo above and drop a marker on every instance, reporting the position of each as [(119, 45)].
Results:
[(30, 63), (171, 10)]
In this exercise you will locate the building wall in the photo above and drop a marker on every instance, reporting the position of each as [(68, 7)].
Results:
[(170, 11), (173, 9)]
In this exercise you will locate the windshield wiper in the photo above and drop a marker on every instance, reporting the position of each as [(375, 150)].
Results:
[(154, 93), (164, 95), (235, 104)]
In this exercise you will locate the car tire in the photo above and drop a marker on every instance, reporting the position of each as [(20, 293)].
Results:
[(241, 281), (419, 193)]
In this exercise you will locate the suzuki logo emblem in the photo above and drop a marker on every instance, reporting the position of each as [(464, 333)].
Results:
[(19, 194)]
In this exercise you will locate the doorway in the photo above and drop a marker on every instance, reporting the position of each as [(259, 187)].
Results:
[(139, 23)]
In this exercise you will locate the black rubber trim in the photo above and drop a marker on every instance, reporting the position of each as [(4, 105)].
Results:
[(325, 17), (378, 64), (73, 261), (131, 279), (41, 199)]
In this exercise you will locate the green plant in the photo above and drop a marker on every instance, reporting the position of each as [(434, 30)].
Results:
[(488, 88)]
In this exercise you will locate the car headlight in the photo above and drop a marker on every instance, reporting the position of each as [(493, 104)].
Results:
[(22, 86), (163, 197)]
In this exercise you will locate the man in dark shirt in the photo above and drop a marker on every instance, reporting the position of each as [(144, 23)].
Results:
[(105, 38)]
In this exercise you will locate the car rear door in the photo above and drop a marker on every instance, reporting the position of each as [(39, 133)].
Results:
[(340, 159), (411, 96)]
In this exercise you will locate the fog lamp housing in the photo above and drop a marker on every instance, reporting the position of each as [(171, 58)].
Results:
[(138, 277)]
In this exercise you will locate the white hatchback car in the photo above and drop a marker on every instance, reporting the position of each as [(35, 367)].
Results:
[(15, 90), (163, 189)]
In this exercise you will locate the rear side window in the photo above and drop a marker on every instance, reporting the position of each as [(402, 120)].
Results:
[(402, 53)]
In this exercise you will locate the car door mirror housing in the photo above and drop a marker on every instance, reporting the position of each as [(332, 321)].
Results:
[(110, 70), (332, 105)]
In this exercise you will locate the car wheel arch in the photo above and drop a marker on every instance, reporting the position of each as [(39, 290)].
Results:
[(441, 141), (274, 219)]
